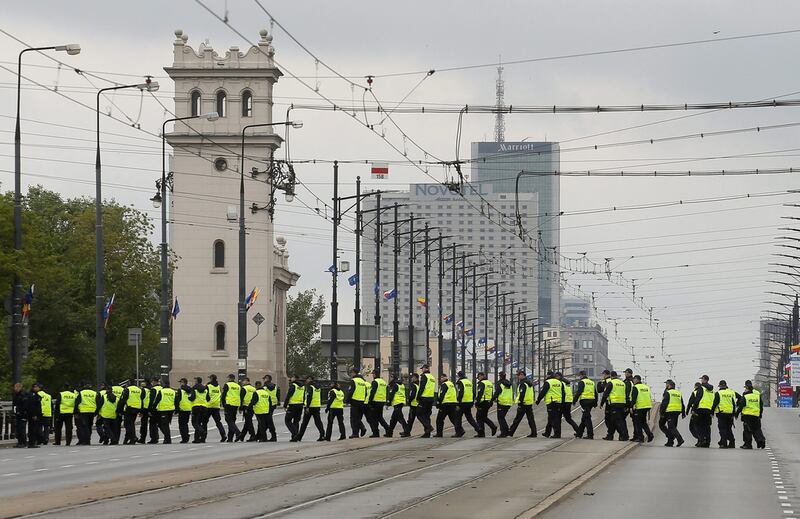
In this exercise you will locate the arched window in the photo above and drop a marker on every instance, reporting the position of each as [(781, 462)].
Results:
[(194, 104), (222, 103), (247, 104), (219, 337), (219, 254)]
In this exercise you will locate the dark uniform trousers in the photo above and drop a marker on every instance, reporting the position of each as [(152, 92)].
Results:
[(248, 415), (412, 416), (641, 429), (566, 412), (214, 412), (693, 426), (112, 432), (64, 420), (308, 414), (617, 413), (20, 428), (154, 425), (261, 429), (356, 415), (751, 426), (129, 420), (164, 419), (482, 418), (397, 417), (524, 411), (553, 427), (502, 411), (725, 426), (34, 430), (338, 415), (84, 427), (447, 411), (294, 413), (704, 426), (45, 424), (375, 418), (668, 423), (200, 423), (183, 425), (143, 425), (586, 419), (465, 411), (271, 423), (424, 411), (230, 421)]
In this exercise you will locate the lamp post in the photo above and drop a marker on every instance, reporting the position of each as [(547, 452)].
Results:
[(100, 331), (160, 200), (241, 310), (16, 287)]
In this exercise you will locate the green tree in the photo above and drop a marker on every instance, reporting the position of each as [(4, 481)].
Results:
[(304, 313), (58, 257)]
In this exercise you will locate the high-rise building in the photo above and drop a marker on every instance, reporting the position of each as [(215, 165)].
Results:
[(575, 312), (497, 164), (460, 219), (589, 348)]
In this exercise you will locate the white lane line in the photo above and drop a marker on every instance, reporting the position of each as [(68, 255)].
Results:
[(135, 456), (779, 486), (782, 497), (156, 454), (9, 474), (91, 463), (786, 504), (66, 466), (28, 457), (114, 459), (72, 451), (781, 491), (40, 470)]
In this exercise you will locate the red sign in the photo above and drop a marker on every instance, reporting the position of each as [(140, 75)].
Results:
[(784, 390)]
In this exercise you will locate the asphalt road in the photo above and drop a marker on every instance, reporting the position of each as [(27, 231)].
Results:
[(658, 482), (356, 478)]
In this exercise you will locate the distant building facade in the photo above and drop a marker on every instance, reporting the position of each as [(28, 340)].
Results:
[(590, 349), (575, 312)]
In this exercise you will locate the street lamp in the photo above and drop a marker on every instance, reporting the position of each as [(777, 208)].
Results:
[(100, 332), (16, 288), (288, 188), (159, 200)]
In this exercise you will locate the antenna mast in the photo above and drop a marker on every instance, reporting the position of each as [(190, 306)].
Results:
[(499, 120)]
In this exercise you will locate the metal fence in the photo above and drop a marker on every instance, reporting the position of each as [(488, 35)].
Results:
[(6, 421)]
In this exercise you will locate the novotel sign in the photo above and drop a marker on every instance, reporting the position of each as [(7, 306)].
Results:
[(439, 191)]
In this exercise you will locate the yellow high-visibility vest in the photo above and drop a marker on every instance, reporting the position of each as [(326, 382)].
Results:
[(618, 393), (506, 396), (727, 401), (167, 402), (588, 390), (263, 403), (488, 391), (380, 391), (109, 409), (316, 396), (299, 395), (134, 400), (554, 393), (185, 404), (248, 393), (47, 403), (707, 400), (567, 394), (399, 397), (752, 403), (450, 393), (200, 399), (430, 386), (273, 396), (214, 396), (643, 400), (675, 403), (467, 397), (233, 396), (360, 390), (88, 401), (338, 399), (415, 401), (67, 403)]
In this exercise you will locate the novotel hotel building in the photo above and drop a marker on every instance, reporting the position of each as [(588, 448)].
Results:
[(496, 165), (461, 219)]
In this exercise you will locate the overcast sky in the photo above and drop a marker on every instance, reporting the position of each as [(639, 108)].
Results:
[(709, 310)]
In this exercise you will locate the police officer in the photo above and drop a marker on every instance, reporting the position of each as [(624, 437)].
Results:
[(357, 397), (448, 402), (183, 401), (274, 393), (566, 407), (483, 402), (628, 381), (214, 404), (752, 409), (154, 425), (64, 404), (86, 403), (426, 396), (642, 403), (553, 395), (261, 404), (247, 411), (704, 398), (605, 380), (725, 403), (505, 399), (108, 415), (231, 397), (34, 412), (313, 408), (145, 416), (587, 398), (199, 410), (45, 425), (524, 405), (672, 408), (466, 399), (165, 405), (694, 419), (412, 395), (19, 404), (130, 406), (616, 400), (335, 410), (295, 399), (396, 399), (377, 400)]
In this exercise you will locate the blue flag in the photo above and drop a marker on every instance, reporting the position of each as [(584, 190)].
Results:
[(390, 294), (469, 332), (332, 269), (176, 309), (448, 318), (482, 340), (353, 280)]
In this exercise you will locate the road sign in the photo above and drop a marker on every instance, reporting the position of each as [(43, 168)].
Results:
[(794, 370), (134, 336), (784, 401), (379, 170)]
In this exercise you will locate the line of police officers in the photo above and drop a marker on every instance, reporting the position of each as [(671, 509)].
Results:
[(112, 408)]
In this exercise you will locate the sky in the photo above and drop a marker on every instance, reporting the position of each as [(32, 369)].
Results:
[(708, 310)]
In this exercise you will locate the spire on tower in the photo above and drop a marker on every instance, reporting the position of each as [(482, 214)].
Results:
[(499, 118)]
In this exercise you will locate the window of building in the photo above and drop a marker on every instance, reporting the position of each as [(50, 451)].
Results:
[(247, 104), (222, 103), (219, 254), (219, 337), (588, 358), (195, 103), (587, 345), (589, 372)]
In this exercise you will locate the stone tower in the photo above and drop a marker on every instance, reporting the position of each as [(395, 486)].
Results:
[(204, 212)]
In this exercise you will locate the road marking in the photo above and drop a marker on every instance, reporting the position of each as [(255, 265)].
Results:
[(28, 457), (156, 454), (92, 462), (786, 504), (6, 459), (66, 466), (781, 491), (40, 470), (782, 497), (10, 474), (114, 459), (72, 451), (135, 456)]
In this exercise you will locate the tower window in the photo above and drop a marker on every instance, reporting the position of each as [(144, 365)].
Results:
[(222, 103), (219, 254), (247, 104), (195, 108), (219, 337)]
